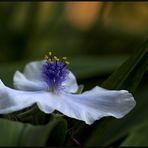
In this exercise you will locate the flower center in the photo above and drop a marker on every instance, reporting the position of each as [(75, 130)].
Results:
[(54, 72)]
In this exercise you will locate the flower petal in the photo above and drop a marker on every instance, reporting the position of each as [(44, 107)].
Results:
[(95, 104), (13, 100), (88, 106), (22, 83), (70, 84), (31, 79), (32, 70)]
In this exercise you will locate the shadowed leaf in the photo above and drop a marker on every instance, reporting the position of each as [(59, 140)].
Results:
[(138, 137), (19, 134), (128, 76)]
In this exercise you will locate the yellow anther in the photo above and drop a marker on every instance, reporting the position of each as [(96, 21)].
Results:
[(50, 53), (46, 57), (57, 59), (66, 62), (64, 58), (50, 61)]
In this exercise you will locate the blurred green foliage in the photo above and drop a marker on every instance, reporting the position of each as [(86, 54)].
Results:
[(19, 134), (29, 29)]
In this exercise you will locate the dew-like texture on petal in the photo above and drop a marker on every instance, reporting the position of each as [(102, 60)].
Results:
[(14, 100)]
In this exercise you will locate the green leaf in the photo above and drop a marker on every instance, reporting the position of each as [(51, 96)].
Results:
[(138, 137), (128, 76), (19, 134)]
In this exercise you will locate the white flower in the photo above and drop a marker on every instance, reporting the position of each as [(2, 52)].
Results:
[(53, 87)]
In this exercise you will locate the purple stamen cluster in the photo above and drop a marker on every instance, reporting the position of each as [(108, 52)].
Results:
[(54, 73)]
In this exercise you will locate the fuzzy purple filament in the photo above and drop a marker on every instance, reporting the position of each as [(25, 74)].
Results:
[(54, 74)]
